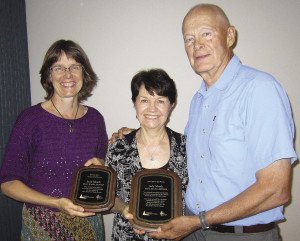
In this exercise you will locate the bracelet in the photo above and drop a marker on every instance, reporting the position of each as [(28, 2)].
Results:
[(203, 222)]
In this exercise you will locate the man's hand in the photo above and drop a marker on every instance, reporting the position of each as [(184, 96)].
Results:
[(120, 134), (177, 228)]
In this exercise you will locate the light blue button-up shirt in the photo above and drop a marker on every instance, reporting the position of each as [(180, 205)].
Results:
[(236, 127)]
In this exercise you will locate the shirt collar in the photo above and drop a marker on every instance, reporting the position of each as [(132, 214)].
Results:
[(225, 79)]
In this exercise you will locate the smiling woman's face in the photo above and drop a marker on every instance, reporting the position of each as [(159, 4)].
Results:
[(152, 111), (68, 83)]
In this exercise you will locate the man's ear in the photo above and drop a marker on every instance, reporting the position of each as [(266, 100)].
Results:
[(231, 36)]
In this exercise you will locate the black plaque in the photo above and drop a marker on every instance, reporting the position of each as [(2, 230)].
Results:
[(155, 198), (94, 188)]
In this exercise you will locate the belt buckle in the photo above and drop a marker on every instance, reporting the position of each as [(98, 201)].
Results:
[(238, 229)]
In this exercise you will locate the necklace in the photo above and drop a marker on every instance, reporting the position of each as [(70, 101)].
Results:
[(151, 154), (69, 123)]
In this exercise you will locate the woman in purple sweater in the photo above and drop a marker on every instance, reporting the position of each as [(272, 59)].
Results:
[(49, 142)]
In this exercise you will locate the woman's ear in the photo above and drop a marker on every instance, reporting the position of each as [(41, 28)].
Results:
[(173, 106)]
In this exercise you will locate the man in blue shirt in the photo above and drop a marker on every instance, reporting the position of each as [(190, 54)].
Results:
[(239, 141)]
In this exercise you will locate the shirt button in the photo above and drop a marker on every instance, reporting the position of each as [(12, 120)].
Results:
[(203, 131), (202, 156)]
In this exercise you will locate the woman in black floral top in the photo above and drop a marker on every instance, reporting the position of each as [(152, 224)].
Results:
[(151, 146)]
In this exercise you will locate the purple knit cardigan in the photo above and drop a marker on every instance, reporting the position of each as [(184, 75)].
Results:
[(44, 155)]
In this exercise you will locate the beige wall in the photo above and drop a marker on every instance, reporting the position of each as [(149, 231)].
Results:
[(122, 37)]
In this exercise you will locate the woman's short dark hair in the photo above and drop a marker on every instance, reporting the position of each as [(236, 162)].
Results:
[(156, 81), (74, 51)]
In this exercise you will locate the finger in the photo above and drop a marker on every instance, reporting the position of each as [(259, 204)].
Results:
[(154, 235), (128, 216), (98, 161), (165, 235), (79, 211), (83, 214), (113, 138), (158, 233), (165, 227), (73, 209), (121, 133), (88, 163), (139, 231), (94, 161), (67, 206), (89, 214)]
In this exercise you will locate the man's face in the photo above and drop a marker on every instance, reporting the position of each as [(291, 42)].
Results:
[(206, 44)]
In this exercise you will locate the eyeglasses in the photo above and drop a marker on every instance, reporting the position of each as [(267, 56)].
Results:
[(74, 69)]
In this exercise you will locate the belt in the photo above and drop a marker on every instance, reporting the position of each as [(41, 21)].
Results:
[(243, 229)]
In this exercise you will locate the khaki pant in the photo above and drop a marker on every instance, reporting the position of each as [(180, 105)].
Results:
[(209, 235)]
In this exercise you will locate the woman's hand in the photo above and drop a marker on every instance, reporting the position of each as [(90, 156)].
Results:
[(67, 206), (19, 191), (94, 161), (126, 214)]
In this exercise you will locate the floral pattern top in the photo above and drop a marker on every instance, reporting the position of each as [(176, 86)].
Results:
[(123, 157)]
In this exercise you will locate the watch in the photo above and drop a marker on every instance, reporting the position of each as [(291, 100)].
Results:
[(203, 222)]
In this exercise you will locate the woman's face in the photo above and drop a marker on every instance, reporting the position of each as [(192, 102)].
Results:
[(152, 111), (66, 77)]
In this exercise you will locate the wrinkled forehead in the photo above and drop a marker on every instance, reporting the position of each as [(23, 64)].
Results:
[(204, 16)]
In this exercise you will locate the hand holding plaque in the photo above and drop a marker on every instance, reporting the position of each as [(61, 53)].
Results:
[(94, 188), (155, 198)]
